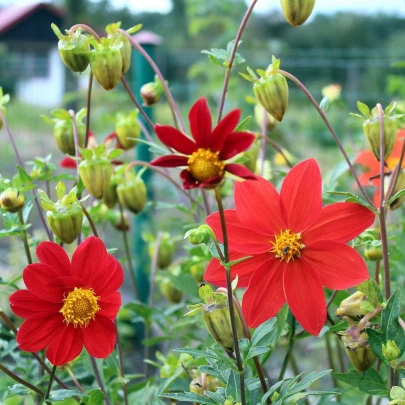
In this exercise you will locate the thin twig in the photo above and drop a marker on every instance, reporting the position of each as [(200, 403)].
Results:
[(277, 147), (88, 216), (99, 380), (232, 58), (289, 350), (48, 391), (24, 237), (89, 89), (121, 365)]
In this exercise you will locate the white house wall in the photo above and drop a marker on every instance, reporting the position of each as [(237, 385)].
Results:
[(48, 91)]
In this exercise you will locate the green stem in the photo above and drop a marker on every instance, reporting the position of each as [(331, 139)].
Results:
[(24, 237), (289, 350), (332, 131), (277, 147), (89, 89), (230, 294), (15, 377), (48, 391), (121, 365), (129, 256), (99, 380), (88, 216)]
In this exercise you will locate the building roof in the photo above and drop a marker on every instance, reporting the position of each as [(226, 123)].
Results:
[(15, 14)]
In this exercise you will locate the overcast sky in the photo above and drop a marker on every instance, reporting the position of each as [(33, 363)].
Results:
[(324, 6)]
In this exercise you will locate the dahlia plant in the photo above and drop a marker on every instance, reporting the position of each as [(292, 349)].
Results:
[(261, 274)]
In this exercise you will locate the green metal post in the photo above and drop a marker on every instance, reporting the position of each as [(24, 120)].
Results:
[(142, 73)]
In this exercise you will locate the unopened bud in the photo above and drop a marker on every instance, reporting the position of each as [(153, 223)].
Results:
[(351, 306), (200, 235), (132, 195), (297, 12), (12, 200), (152, 92), (390, 351), (166, 251), (398, 202), (96, 175), (127, 129), (373, 253), (170, 292)]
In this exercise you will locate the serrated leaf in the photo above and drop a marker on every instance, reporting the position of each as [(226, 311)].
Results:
[(190, 397), (233, 386), (197, 354), (261, 335), (60, 395), (371, 289)]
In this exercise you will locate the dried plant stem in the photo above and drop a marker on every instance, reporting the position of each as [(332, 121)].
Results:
[(232, 58), (332, 131), (121, 365), (230, 294), (89, 90), (88, 216), (129, 256), (24, 237)]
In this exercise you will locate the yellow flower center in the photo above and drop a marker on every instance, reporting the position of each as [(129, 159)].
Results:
[(80, 307), (205, 164), (287, 245)]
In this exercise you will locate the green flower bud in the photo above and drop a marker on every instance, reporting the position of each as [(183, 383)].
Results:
[(132, 195), (358, 349), (65, 217), (397, 394), (202, 234), (351, 306), (196, 387), (63, 129), (170, 292), (127, 129), (390, 351), (120, 223), (74, 49), (398, 202), (197, 272), (297, 12), (373, 253), (11, 200), (215, 314), (96, 175), (110, 196), (126, 48), (166, 251), (212, 383), (152, 92), (271, 89), (106, 62)]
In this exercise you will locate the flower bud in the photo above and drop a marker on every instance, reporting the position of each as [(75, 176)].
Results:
[(110, 196), (297, 12), (11, 200), (373, 253), (358, 349), (202, 234), (65, 217), (74, 49), (106, 62), (132, 195), (271, 90), (390, 351), (121, 223), (351, 306), (212, 383), (166, 251), (398, 202), (96, 175), (196, 387), (127, 129), (197, 272), (152, 92), (170, 292), (126, 49)]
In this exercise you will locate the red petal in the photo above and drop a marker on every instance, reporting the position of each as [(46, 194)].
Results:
[(224, 127), (66, 283), (37, 276), (200, 123), (258, 206), (338, 265), (305, 295), (110, 305), (109, 278), (25, 304), (240, 171), (301, 195), (235, 143), (38, 331), (188, 180), (68, 163), (90, 260), (241, 238), (66, 346), (99, 337), (175, 139), (52, 254), (341, 222), (265, 295), (215, 272), (170, 161)]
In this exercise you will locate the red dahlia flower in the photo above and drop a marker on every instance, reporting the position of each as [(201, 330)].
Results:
[(206, 156), (297, 245), (366, 158), (69, 304)]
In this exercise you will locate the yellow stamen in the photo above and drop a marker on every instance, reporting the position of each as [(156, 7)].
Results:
[(287, 245), (80, 307), (205, 164)]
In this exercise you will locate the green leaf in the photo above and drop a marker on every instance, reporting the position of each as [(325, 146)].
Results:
[(261, 336), (114, 154), (99, 151), (324, 104), (233, 386), (60, 395), (400, 193), (371, 289), (87, 154), (190, 397), (24, 176), (363, 108), (60, 190), (369, 382), (247, 77), (94, 397), (241, 126), (197, 354), (19, 389), (256, 351)]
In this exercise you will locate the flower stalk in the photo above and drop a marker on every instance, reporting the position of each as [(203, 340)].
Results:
[(51, 377), (24, 237), (230, 294)]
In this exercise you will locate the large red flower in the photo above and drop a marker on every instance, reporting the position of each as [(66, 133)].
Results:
[(297, 245), (206, 155), (68, 305), (370, 176)]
